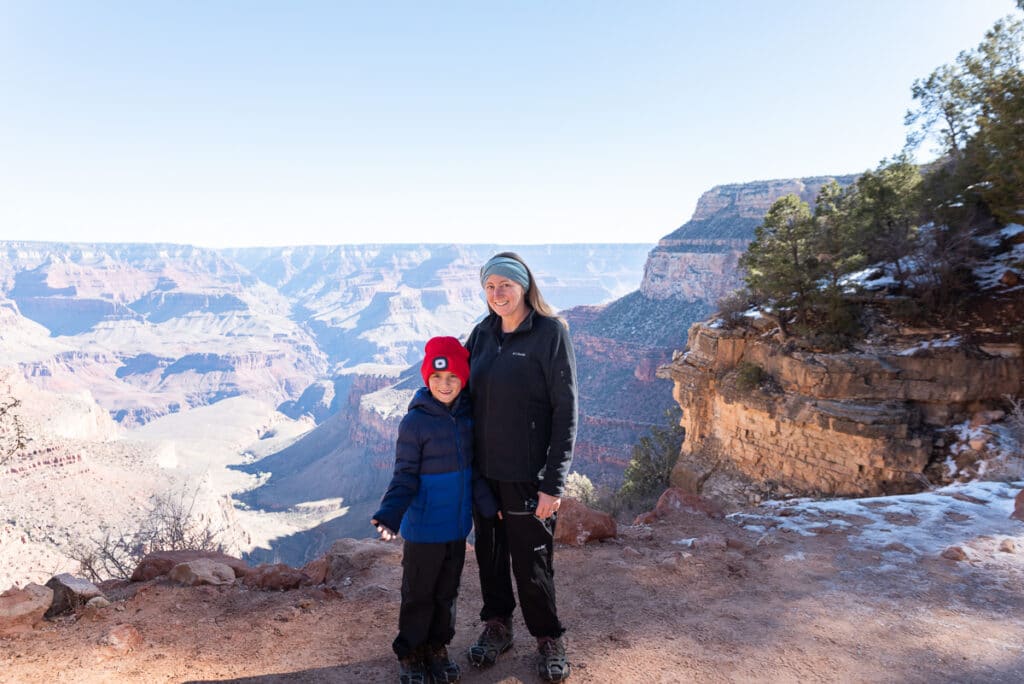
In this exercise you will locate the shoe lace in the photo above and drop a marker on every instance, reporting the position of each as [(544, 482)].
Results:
[(494, 630), (549, 647)]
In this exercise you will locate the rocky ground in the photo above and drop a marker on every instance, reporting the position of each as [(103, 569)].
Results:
[(800, 592)]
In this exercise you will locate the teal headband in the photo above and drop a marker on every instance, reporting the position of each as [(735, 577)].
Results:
[(507, 267)]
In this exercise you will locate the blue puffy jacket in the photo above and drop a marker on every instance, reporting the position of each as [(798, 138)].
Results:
[(434, 487)]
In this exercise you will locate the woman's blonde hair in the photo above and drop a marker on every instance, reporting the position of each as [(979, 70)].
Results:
[(534, 298)]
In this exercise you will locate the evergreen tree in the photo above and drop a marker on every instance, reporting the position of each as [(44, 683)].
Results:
[(781, 265), (650, 466), (887, 209)]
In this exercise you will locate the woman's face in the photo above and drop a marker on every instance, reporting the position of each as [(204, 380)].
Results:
[(506, 297)]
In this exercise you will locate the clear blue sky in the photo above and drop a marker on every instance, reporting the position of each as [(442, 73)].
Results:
[(266, 123)]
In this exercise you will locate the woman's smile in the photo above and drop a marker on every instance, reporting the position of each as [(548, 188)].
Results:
[(505, 296)]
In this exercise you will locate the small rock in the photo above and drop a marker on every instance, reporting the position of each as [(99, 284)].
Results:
[(955, 553), (738, 544), (122, 639), (630, 552), (1008, 546), (710, 541), (1009, 279), (898, 547)]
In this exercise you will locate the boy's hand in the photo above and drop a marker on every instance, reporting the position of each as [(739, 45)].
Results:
[(385, 532)]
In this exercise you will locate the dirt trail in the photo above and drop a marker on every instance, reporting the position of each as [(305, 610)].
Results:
[(736, 606)]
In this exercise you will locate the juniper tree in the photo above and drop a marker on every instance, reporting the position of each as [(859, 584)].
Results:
[(886, 208), (781, 264)]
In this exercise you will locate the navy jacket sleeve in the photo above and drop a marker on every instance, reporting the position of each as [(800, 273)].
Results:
[(484, 500), (561, 380), (405, 482)]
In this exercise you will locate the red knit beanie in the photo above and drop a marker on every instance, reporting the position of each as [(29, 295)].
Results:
[(448, 354)]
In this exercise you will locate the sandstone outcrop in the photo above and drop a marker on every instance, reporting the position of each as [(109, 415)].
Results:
[(853, 423)]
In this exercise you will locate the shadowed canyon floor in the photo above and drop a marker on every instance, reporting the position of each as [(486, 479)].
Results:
[(795, 592)]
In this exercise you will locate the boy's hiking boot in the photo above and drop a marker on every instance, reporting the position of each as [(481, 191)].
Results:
[(492, 642), (552, 666), (442, 668), (411, 670)]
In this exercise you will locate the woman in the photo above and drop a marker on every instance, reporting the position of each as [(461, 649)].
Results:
[(523, 386)]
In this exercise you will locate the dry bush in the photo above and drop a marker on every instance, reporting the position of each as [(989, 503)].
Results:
[(12, 430), (578, 486), (170, 524)]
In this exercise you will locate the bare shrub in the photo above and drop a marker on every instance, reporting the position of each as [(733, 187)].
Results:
[(12, 430), (1015, 421), (733, 306), (170, 524)]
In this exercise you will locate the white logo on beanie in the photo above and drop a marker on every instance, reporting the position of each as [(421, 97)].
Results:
[(440, 363)]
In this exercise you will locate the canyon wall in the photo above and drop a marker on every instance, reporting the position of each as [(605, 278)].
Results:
[(854, 423)]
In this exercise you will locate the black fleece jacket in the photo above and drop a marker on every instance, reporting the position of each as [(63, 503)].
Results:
[(524, 401)]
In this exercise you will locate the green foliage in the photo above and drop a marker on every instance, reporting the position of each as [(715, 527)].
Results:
[(977, 105), (886, 208), (650, 467), (781, 265), (749, 376)]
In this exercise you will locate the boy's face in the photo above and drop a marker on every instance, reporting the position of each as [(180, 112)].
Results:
[(444, 386)]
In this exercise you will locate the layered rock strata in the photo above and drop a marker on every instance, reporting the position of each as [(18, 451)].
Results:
[(854, 423)]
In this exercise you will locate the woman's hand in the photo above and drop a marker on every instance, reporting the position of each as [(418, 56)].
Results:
[(385, 532), (546, 505)]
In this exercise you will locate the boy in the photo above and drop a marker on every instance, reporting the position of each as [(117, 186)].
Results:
[(430, 501)]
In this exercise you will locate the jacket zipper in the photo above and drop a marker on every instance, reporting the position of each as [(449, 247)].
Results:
[(462, 470)]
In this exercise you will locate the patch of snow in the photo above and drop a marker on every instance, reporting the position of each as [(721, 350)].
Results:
[(1011, 230), (925, 523), (931, 344)]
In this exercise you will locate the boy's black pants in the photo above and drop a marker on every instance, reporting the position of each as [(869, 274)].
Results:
[(430, 585), (520, 545)]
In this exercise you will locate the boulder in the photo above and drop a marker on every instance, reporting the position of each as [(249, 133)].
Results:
[(22, 609), (351, 557), (675, 500), (276, 577), (70, 593), (201, 571), (316, 570), (578, 524), (160, 563)]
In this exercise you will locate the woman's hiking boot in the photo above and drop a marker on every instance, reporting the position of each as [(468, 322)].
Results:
[(552, 666), (412, 670), (492, 642), (442, 668)]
